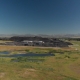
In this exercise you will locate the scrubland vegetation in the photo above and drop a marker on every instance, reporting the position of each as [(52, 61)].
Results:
[(64, 65)]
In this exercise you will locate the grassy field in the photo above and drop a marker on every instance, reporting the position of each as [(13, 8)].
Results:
[(65, 65), (30, 48), (3, 41)]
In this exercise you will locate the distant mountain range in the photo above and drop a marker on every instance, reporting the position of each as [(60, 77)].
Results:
[(43, 35)]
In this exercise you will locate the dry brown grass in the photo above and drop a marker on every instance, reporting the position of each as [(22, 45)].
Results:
[(14, 48), (1, 41), (2, 75)]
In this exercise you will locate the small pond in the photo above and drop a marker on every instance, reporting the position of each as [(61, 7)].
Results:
[(7, 54), (4, 52)]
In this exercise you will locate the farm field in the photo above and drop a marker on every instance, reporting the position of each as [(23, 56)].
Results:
[(64, 64)]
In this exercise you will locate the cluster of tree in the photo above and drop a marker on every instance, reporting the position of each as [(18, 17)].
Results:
[(5, 38), (48, 42), (36, 38), (74, 39)]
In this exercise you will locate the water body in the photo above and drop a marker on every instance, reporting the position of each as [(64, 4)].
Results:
[(4, 52), (7, 54), (30, 54)]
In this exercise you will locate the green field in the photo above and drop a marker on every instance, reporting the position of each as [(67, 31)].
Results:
[(64, 65)]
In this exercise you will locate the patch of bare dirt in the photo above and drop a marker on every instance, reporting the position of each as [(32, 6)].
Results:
[(29, 72), (75, 68), (30, 69), (2, 75)]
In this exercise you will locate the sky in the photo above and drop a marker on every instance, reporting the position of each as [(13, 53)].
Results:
[(39, 17)]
